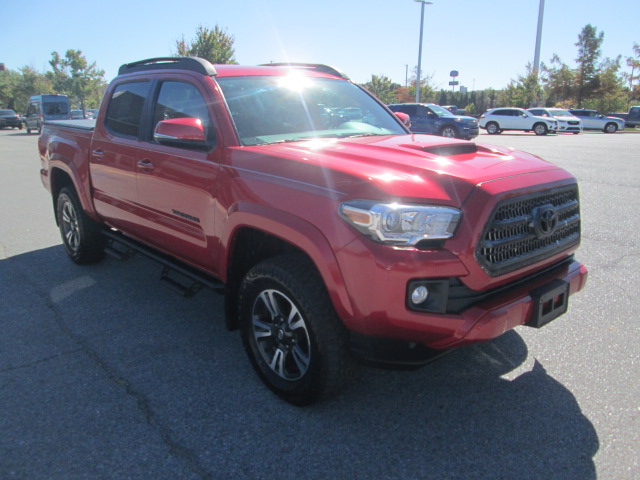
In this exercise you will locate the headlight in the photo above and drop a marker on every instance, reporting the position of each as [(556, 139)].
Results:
[(397, 224)]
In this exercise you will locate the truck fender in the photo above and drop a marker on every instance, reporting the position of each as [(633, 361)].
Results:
[(295, 231), (69, 160)]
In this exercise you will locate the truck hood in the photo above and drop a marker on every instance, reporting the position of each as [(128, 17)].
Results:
[(401, 166)]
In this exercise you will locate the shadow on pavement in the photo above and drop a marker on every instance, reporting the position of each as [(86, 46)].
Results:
[(105, 374)]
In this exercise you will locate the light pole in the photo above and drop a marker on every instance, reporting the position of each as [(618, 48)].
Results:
[(536, 56), (422, 2)]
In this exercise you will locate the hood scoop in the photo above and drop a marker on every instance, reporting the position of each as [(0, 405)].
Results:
[(447, 149)]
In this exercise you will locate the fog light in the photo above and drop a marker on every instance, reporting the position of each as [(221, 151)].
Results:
[(419, 295)]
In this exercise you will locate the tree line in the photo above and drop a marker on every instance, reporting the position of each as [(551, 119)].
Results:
[(70, 75), (594, 82)]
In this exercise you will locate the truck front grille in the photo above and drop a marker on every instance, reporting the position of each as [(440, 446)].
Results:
[(527, 229)]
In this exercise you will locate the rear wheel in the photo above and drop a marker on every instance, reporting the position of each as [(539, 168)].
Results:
[(293, 337), (610, 128), (493, 128), (81, 236), (540, 129)]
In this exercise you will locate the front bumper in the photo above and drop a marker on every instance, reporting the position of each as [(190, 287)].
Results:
[(379, 290)]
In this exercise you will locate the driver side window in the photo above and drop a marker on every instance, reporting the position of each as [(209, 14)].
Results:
[(182, 100)]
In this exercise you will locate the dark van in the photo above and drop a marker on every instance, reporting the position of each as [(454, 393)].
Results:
[(46, 107)]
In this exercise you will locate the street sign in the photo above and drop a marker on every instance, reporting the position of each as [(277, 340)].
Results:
[(454, 73), (454, 83)]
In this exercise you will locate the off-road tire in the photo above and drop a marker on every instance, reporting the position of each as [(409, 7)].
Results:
[(81, 236), (296, 343)]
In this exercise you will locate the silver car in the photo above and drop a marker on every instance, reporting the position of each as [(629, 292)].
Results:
[(592, 120)]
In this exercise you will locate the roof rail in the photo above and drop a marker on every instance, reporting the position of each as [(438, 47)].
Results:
[(195, 64), (318, 67)]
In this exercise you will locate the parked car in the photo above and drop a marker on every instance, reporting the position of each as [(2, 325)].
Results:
[(567, 122), (9, 118), (46, 107), (77, 114), (436, 120), (454, 109), (631, 118), (497, 120), (592, 120)]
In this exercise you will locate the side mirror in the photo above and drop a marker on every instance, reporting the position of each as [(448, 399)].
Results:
[(404, 118), (181, 132)]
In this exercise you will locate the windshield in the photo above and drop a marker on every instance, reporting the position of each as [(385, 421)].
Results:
[(440, 111), (7, 113), (296, 107), (558, 112)]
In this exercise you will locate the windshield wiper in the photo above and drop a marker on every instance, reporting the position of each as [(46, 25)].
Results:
[(354, 135)]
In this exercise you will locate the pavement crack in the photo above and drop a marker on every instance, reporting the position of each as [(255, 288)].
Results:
[(42, 360), (174, 447)]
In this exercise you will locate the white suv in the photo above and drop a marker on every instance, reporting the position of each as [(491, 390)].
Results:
[(567, 121), (498, 120)]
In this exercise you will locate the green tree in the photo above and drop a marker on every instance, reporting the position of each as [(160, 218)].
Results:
[(559, 82), (589, 43), (610, 95), (30, 83), (8, 83), (525, 92), (427, 91), (17, 87), (634, 77), (211, 44), (383, 88), (74, 76)]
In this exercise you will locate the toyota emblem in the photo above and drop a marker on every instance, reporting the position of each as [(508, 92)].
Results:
[(545, 221)]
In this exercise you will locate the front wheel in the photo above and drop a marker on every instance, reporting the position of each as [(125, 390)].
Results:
[(449, 132), (81, 236), (293, 337), (540, 129), (610, 128)]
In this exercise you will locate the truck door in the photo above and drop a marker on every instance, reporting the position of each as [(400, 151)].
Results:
[(427, 120), (114, 153), (176, 183)]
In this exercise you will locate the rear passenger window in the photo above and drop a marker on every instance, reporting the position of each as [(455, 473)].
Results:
[(411, 110), (125, 108)]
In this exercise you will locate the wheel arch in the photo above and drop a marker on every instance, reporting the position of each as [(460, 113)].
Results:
[(254, 233), (61, 176)]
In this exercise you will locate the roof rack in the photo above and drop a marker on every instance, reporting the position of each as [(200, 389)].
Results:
[(318, 67), (195, 64)]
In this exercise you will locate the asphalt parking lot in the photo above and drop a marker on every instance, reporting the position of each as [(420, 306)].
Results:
[(105, 374)]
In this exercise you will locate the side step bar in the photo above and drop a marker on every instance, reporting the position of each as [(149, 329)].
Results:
[(176, 275)]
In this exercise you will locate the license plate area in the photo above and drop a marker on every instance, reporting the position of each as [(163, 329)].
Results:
[(549, 302)]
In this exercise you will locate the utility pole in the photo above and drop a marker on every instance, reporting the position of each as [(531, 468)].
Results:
[(536, 57)]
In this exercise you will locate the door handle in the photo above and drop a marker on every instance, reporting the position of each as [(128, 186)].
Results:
[(146, 164), (97, 154)]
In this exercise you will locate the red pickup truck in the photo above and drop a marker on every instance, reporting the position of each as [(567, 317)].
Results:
[(331, 230)]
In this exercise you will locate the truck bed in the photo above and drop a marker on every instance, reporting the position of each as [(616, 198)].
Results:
[(84, 124)]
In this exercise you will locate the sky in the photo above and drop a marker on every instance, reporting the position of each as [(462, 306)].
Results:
[(488, 42)]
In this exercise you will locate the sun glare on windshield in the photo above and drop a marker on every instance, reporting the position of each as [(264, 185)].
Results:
[(294, 81)]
